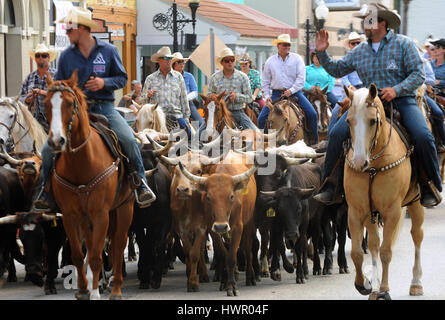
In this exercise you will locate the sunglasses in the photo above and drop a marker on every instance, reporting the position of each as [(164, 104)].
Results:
[(180, 61), (166, 58), (354, 43), (228, 60), (285, 44), (43, 55)]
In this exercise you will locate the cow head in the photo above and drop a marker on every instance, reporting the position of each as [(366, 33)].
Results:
[(221, 193)]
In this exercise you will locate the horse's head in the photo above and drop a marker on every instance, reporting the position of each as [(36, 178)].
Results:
[(319, 101), (365, 118), (216, 113), (63, 102), (151, 116), (279, 117), (8, 118)]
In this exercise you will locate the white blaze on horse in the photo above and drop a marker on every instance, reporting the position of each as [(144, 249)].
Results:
[(150, 116), (18, 122), (377, 182)]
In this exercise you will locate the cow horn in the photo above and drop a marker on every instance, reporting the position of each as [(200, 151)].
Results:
[(191, 176), (305, 154), (8, 219), (10, 159), (295, 161), (136, 104), (149, 173), (170, 161), (155, 144), (160, 150), (244, 176), (268, 193), (49, 217)]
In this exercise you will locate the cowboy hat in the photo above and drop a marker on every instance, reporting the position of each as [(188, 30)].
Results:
[(42, 48), (178, 56), (245, 58), (78, 15), (353, 36), (163, 52), (390, 16), (226, 52), (285, 37), (440, 42)]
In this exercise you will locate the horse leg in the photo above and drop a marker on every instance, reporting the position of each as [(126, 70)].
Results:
[(356, 230), (391, 224), (373, 244), (417, 214), (120, 221), (73, 233)]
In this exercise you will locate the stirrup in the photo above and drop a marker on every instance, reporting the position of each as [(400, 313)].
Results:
[(431, 188), (147, 202)]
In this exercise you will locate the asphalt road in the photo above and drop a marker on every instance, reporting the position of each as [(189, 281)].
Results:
[(329, 287)]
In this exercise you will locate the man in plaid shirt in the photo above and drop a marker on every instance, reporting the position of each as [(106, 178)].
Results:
[(33, 90), (390, 61)]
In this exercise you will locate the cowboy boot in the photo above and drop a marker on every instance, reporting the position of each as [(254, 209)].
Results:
[(44, 201), (331, 191), (429, 195), (144, 195)]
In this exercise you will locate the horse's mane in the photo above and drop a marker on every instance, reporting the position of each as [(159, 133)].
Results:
[(159, 119), (35, 128)]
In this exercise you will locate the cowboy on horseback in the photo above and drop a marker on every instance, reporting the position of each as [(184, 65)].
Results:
[(91, 56), (392, 62), (284, 75)]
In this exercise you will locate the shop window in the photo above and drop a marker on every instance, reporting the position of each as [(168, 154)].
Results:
[(8, 14)]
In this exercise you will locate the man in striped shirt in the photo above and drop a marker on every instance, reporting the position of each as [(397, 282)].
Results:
[(391, 62)]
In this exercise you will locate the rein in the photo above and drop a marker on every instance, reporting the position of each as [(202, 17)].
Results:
[(372, 171), (62, 88), (13, 125)]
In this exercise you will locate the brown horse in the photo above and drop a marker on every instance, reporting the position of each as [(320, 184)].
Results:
[(377, 183), (286, 114), (85, 183), (319, 101)]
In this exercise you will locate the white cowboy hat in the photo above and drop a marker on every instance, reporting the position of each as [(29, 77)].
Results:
[(42, 48), (353, 36), (163, 52), (245, 58), (178, 56), (226, 52), (285, 37), (78, 15), (391, 16)]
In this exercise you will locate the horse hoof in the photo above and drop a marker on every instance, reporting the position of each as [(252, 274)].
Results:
[(416, 290), (384, 295), (373, 295), (12, 279), (193, 288), (265, 274), (204, 279), (363, 291), (115, 297), (82, 295)]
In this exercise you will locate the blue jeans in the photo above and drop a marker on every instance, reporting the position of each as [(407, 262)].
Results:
[(332, 98), (414, 123), (197, 117), (242, 119), (438, 118), (119, 126), (308, 109), (334, 117)]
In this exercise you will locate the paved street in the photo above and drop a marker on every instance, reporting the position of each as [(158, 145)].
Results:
[(332, 287)]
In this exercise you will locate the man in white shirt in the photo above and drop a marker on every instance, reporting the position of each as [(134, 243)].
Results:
[(284, 76)]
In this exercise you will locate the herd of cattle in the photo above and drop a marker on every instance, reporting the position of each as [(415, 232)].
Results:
[(215, 190)]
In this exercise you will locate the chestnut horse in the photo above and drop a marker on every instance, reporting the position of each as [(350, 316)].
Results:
[(86, 186), (377, 183), (319, 101)]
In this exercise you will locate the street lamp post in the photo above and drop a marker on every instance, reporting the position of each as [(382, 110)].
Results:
[(175, 21), (321, 14)]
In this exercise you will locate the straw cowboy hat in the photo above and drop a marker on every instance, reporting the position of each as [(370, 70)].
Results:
[(178, 56), (78, 15), (42, 48), (163, 52), (285, 37), (391, 16), (353, 36), (245, 58), (226, 52)]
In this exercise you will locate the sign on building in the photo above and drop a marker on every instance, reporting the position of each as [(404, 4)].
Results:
[(61, 40)]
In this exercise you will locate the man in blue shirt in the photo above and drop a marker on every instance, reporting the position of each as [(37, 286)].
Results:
[(391, 62), (100, 72)]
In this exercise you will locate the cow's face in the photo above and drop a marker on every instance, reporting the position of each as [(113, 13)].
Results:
[(29, 170), (183, 187)]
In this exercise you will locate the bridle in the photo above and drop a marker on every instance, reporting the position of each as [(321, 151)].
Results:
[(14, 121), (61, 88)]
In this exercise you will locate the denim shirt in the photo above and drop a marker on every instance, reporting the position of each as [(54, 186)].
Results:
[(104, 59), (439, 71)]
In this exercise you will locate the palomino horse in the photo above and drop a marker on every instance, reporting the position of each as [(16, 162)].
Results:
[(377, 184), (18, 122), (86, 186), (319, 101), (151, 117), (285, 114)]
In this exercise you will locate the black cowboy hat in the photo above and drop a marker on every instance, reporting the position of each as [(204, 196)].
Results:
[(440, 42)]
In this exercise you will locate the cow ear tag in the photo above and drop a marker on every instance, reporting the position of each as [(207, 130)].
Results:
[(270, 212), (245, 191)]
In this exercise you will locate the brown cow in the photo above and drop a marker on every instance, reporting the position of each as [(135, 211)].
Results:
[(229, 195)]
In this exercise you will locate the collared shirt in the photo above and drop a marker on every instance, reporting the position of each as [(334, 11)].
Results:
[(33, 81), (238, 83), (255, 81), (430, 77), (439, 71), (171, 93), (104, 59), (352, 79), (318, 77), (289, 74), (396, 64), (190, 85)]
